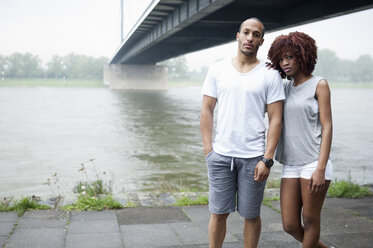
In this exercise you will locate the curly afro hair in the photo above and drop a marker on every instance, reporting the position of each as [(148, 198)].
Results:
[(302, 46)]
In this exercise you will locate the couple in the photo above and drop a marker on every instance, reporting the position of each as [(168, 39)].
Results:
[(300, 125)]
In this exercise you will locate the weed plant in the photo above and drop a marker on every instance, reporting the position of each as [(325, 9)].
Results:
[(95, 183), (86, 203), (273, 184), (94, 192), (22, 205), (347, 189), (186, 201)]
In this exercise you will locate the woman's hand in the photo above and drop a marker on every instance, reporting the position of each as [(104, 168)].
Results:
[(317, 182)]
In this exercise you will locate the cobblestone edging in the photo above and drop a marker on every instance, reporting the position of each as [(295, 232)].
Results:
[(146, 199)]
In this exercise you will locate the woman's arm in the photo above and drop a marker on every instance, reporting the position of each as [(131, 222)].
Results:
[(323, 97)]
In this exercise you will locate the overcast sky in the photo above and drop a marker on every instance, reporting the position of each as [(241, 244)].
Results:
[(92, 27)]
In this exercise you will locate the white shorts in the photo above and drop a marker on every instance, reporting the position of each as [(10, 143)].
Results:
[(305, 170)]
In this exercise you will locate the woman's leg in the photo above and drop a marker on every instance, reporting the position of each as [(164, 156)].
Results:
[(312, 205), (291, 207)]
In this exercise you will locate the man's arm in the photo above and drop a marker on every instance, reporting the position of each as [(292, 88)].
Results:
[(274, 131), (206, 122)]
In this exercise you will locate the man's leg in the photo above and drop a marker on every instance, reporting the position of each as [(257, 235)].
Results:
[(222, 195), (217, 229), (251, 232), (249, 199)]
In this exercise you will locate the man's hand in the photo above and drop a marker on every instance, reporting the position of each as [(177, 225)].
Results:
[(271, 66), (207, 150), (261, 172)]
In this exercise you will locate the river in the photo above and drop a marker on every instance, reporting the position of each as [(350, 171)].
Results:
[(138, 140)]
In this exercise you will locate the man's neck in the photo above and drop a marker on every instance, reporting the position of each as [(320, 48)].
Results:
[(245, 63)]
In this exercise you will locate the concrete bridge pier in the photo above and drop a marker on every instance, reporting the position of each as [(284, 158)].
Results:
[(136, 77)]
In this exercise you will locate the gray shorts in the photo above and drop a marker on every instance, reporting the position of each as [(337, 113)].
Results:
[(228, 186)]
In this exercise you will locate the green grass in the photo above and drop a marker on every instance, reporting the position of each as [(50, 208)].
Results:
[(93, 188), (273, 184), (22, 205), (88, 203), (186, 201), (267, 202), (347, 189), (130, 204), (50, 82)]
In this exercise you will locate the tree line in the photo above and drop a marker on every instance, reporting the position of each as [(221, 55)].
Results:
[(18, 65), (27, 65), (329, 65), (334, 69)]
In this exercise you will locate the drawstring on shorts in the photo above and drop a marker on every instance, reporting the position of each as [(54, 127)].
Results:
[(232, 163)]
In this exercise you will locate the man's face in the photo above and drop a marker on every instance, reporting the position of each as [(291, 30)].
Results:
[(250, 38)]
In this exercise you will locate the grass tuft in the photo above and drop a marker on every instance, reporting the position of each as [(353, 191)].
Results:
[(273, 184), (186, 201), (267, 202), (93, 188), (22, 205), (88, 203), (347, 189)]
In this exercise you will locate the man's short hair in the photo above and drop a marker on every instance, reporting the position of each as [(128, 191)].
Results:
[(256, 19)]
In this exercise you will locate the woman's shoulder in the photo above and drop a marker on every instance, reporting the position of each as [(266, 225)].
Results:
[(322, 87)]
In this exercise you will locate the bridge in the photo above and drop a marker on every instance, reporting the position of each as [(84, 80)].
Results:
[(169, 28)]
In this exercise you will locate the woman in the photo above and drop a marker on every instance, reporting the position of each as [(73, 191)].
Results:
[(306, 138)]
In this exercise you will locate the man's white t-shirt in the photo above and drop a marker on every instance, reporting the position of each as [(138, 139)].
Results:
[(241, 102)]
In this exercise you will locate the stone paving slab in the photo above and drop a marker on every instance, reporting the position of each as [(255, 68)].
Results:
[(3, 240), (8, 217), (346, 223), (151, 215), (40, 223), (200, 215), (98, 226), (37, 238), (149, 235), (94, 240), (6, 228), (109, 215), (47, 214), (277, 239), (350, 240), (190, 234), (338, 221), (226, 245)]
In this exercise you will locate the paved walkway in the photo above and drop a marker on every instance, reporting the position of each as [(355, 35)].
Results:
[(345, 223)]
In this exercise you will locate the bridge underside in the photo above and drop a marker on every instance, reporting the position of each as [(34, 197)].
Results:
[(176, 27)]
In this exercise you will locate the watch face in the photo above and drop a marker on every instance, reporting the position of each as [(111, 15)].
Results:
[(270, 162)]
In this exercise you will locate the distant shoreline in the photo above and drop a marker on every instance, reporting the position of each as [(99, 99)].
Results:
[(97, 83)]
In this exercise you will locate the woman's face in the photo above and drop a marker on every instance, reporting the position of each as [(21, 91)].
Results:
[(289, 64)]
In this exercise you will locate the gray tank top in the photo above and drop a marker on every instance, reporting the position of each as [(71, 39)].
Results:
[(301, 129)]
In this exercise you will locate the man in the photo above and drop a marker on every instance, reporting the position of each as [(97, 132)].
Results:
[(238, 161)]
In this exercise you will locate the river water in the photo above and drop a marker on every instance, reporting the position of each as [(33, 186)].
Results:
[(138, 140)]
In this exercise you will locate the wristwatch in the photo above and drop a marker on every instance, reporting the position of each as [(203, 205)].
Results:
[(268, 162)]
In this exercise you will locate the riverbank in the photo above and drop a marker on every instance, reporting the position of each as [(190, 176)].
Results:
[(345, 223), (50, 82)]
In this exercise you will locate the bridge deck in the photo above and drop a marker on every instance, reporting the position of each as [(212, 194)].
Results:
[(170, 28)]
